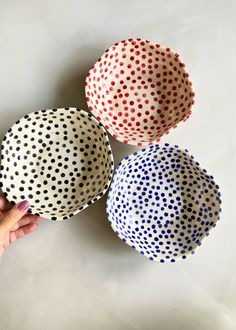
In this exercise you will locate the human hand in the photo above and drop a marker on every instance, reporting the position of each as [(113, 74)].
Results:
[(14, 222)]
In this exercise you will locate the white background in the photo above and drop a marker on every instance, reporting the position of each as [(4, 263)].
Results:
[(77, 274)]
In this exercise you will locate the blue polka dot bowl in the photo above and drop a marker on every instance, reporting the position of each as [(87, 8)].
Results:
[(162, 203)]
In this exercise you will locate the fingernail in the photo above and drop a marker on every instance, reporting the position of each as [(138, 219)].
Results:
[(23, 206)]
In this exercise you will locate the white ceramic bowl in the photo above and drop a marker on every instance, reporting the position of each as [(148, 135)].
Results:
[(60, 160), (162, 203), (139, 90)]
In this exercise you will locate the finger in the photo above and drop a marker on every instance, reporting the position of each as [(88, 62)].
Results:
[(12, 216), (4, 203), (22, 231), (28, 218)]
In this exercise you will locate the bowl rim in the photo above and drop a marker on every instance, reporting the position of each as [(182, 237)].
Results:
[(130, 157), (110, 155), (109, 128)]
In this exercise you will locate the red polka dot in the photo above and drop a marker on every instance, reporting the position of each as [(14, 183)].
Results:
[(152, 96)]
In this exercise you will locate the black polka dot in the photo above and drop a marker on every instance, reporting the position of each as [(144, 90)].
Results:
[(57, 155)]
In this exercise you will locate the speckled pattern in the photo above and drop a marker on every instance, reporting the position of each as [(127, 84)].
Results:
[(162, 203), (139, 90), (59, 159)]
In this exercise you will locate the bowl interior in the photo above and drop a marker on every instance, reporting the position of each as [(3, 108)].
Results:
[(139, 90), (59, 159), (162, 203)]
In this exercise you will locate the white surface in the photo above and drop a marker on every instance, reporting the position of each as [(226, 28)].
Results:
[(77, 274)]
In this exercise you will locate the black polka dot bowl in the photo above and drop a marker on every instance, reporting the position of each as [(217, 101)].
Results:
[(60, 160), (162, 203)]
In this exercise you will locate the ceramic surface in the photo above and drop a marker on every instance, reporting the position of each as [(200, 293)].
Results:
[(60, 160), (139, 90), (162, 203)]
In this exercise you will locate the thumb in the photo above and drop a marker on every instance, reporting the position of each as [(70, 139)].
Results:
[(12, 216)]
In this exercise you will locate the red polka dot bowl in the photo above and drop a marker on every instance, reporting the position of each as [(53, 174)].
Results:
[(139, 90)]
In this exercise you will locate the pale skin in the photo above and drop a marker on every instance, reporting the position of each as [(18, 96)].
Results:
[(15, 222)]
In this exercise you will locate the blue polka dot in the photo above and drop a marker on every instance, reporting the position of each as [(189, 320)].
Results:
[(162, 203)]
